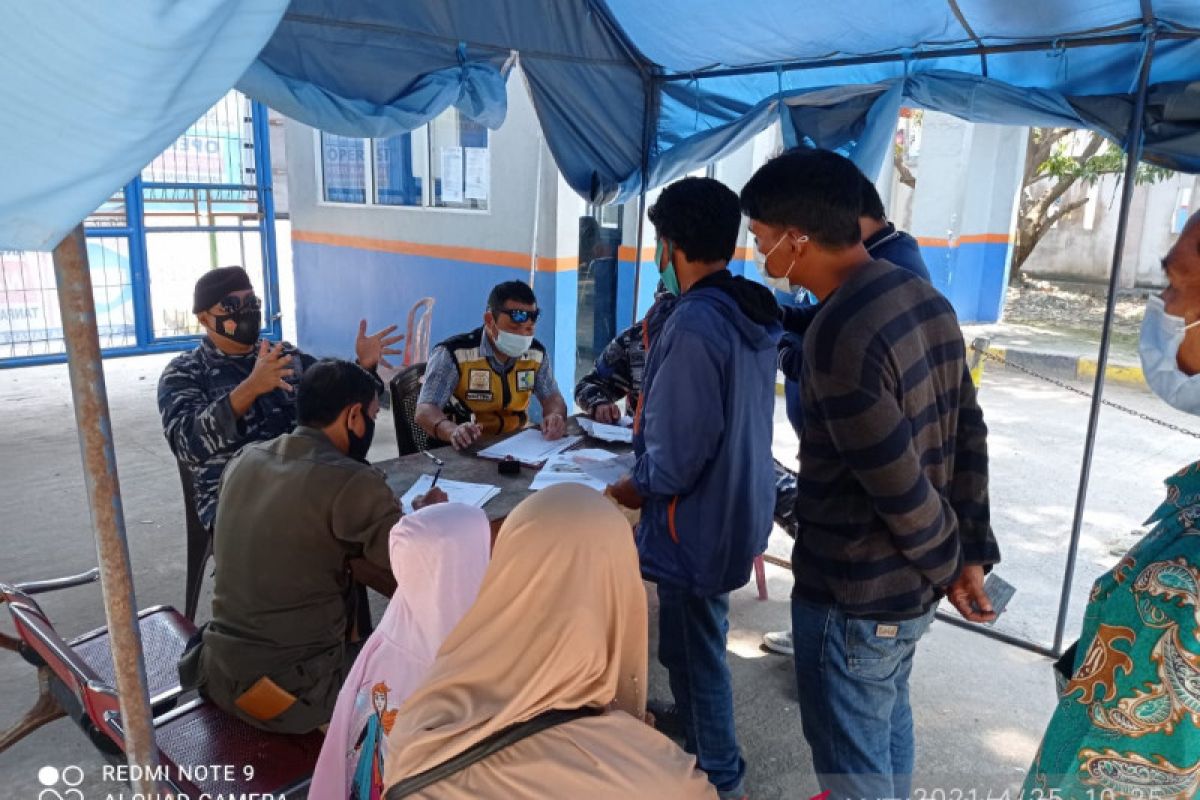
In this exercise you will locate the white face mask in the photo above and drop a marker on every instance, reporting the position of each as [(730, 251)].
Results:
[(781, 283), (1162, 334), (512, 344)]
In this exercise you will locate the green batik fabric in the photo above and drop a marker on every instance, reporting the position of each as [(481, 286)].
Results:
[(1127, 724)]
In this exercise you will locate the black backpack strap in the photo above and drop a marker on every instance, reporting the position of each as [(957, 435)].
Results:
[(493, 744)]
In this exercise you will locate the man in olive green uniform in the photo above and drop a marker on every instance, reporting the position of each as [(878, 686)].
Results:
[(291, 511)]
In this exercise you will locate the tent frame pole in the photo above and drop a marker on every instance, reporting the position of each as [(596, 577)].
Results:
[(1133, 150), (926, 55), (94, 423)]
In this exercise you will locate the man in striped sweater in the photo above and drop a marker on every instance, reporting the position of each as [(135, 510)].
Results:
[(892, 498)]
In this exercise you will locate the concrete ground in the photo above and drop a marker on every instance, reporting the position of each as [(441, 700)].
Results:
[(980, 705)]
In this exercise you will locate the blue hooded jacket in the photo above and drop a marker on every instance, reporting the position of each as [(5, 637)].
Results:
[(703, 438)]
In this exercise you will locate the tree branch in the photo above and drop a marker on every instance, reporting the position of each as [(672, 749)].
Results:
[(1040, 147), (1092, 148), (1066, 208), (903, 173)]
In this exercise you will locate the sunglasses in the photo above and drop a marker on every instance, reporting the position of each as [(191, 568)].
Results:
[(520, 315), (232, 304)]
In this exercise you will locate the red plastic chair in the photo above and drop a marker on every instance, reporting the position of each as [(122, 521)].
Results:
[(416, 340), (760, 577), (76, 679)]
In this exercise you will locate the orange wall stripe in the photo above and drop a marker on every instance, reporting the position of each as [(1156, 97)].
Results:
[(971, 238), (627, 253), (474, 255)]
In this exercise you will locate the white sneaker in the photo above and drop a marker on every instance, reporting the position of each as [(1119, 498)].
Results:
[(779, 642)]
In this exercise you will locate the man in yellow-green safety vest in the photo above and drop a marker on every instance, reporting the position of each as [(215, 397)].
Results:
[(493, 372)]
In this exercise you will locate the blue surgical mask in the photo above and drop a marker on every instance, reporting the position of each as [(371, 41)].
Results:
[(1162, 334), (512, 344), (669, 279)]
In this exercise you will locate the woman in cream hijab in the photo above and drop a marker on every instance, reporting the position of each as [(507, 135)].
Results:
[(560, 623)]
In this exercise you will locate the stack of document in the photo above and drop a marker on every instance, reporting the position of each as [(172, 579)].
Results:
[(608, 433), (529, 447), (471, 494), (573, 466)]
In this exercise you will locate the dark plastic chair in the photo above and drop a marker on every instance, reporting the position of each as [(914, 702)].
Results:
[(404, 388), (199, 545)]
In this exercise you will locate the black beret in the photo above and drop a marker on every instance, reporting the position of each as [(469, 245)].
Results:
[(216, 284)]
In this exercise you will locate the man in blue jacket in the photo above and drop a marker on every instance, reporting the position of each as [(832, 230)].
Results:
[(704, 477)]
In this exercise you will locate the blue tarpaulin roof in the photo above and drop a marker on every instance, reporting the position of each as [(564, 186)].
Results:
[(629, 93)]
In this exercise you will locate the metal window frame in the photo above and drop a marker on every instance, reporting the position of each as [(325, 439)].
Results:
[(370, 202), (135, 231)]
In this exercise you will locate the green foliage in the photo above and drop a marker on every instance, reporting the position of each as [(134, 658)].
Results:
[(1108, 160)]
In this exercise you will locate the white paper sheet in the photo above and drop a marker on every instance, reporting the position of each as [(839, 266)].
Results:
[(570, 467), (471, 494), (479, 177), (452, 174), (607, 433), (529, 447), (611, 470)]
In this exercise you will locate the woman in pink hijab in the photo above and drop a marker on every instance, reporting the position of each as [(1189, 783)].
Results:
[(438, 555)]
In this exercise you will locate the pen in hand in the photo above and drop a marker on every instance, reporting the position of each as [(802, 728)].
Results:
[(436, 475)]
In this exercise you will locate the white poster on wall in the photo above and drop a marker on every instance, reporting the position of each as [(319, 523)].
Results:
[(478, 173), (452, 174)]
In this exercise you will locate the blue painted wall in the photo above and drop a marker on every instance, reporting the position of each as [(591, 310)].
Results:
[(972, 275), (336, 286)]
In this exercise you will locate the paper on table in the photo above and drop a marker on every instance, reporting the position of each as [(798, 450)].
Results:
[(529, 447), (608, 433), (570, 467), (612, 470), (471, 494)]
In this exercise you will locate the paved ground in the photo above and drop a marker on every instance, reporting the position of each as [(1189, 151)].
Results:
[(980, 705)]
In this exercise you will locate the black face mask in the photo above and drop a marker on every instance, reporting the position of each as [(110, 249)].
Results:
[(359, 445), (248, 321)]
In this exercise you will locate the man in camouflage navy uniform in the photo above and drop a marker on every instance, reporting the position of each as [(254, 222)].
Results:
[(234, 388), (617, 373)]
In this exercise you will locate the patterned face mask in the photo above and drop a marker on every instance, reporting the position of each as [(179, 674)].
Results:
[(1162, 334)]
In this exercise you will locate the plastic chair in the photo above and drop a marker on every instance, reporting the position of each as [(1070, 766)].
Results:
[(199, 545), (416, 340), (404, 388)]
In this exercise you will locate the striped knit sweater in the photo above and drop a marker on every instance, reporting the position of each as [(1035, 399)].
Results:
[(892, 497)]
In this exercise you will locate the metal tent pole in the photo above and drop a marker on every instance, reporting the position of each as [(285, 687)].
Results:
[(1133, 150), (104, 500)]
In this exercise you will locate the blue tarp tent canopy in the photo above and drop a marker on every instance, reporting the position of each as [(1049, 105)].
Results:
[(630, 94)]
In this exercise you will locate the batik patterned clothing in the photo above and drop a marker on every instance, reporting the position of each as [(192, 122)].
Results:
[(198, 419), (1128, 721)]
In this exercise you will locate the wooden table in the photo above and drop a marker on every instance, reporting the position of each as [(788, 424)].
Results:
[(463, 465)]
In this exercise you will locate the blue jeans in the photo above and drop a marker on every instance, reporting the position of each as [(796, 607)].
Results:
[(852, 676), (691, 645)]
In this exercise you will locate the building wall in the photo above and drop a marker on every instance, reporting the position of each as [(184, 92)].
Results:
[(376, 262), (1080, 246), (962, 210)]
